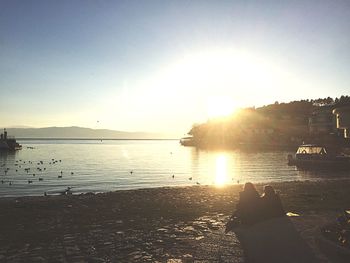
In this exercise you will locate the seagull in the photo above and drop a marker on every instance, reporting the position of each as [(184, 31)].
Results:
[(67, 191)]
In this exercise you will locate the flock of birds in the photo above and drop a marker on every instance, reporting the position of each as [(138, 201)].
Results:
[(21, 166)]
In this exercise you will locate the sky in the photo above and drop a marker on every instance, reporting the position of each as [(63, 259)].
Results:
[(164, 65)]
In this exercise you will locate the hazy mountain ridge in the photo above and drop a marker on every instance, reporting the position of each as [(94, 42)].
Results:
[(81, 133)]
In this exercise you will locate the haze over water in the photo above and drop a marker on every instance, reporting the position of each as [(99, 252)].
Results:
[(131, 164)]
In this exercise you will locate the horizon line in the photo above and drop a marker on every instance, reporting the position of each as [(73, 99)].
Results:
[(98, 139)]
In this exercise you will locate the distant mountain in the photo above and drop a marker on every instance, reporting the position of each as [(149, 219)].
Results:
[(80, 133), (20, 126)]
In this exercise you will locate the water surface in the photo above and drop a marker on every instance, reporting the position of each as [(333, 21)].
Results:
[(99, 166)]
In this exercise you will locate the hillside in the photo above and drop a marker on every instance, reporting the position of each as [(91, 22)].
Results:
[(278, 125)]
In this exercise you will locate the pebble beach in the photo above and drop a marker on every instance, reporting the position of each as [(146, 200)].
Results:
[(168, 224)]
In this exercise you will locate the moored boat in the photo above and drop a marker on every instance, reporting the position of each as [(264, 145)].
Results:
[(311, 156), (187, 141), (8, 143)]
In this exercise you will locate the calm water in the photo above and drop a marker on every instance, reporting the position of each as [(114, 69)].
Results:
[(129, 164)]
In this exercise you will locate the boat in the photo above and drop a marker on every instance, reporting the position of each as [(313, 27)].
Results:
[(8, 143), (313, 156), (187, 141)]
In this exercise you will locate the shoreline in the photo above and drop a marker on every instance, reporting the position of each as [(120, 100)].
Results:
[(315, 185), (152, 224), (257, 184)]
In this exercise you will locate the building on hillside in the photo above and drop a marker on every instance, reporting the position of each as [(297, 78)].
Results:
[(322, 121), (342, 116)]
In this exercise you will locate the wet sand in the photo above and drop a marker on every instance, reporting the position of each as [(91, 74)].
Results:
[(179, 224)]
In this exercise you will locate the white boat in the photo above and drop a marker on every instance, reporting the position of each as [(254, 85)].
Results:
[(312, 156), (187, 141)]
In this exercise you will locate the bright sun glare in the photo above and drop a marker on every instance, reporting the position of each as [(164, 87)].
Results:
[(220, 107), (201, 84), (218, 81)]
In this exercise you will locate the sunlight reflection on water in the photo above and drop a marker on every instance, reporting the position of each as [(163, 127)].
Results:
[(221, 176)]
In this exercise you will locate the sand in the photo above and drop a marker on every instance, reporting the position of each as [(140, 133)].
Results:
[(178, 224)]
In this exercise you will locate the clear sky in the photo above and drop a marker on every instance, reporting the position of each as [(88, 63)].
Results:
[(164, 65)]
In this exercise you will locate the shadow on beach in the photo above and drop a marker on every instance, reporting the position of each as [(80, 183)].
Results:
[(275, 240)]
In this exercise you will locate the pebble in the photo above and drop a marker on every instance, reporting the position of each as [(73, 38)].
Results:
[(73, 250), (37, 259), (96, 260), (174, 260)]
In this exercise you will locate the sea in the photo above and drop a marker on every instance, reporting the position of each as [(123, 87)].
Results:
[(52, 166)]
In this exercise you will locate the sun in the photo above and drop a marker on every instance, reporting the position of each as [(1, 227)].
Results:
[(220, 106), (202, 84)]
